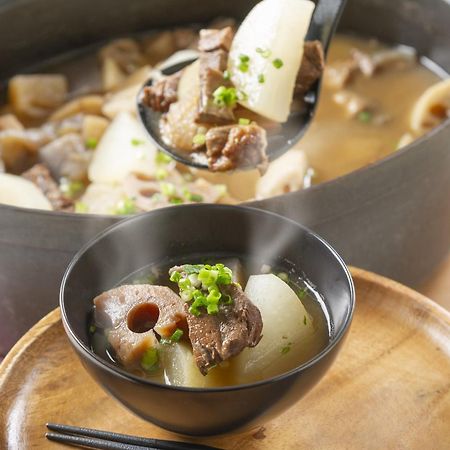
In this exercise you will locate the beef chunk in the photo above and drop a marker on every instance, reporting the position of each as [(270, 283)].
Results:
[(311, 68), (133, 313), (236, 146), (216, 338), (163, 93), (208, 111), (214, 46), (67, 157), (211, 40), (216, 60), (40, 176)]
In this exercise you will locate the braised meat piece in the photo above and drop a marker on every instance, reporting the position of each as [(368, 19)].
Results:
[(214, 46), (208, 111), (236, 146), (211, 40), (311, 68), (133, 314), (218, 337), (163, 93), (40, 176)]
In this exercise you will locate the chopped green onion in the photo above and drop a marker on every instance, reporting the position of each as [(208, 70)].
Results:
[(192, 197), (92, 329), (200, 283), (137, 142), (176, 200), (168, 189), (365, 116), (125, 207), (150, 359), (226, 97), (304, 320), (199, 139), (243, 67), (81, 207), (244, 58), (283, 276), (71, 189), (161, 174), (265, 53), (286, 349), (91, 143), (176, 336), (244, 121), (226, 75), (302, 293), (277, 63), (261, 78), (162, 158)]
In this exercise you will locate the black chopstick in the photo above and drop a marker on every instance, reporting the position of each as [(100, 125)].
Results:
[(91, 438)]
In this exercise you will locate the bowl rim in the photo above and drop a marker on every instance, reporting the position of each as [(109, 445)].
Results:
[(121, 373)]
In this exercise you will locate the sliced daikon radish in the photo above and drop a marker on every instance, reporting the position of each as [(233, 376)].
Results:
[(266, 54), (18, 191), (189, 84), (432, 108), (286, 325), (123, 149), (180, 368)]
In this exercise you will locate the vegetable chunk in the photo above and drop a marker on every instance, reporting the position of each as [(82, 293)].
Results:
[(287, 325)]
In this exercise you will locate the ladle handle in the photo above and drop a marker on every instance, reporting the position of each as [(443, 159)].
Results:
[(324, 21)]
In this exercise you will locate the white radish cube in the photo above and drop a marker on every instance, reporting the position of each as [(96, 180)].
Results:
[(286, 325), (123, 149), (18, 191), (273, 30)]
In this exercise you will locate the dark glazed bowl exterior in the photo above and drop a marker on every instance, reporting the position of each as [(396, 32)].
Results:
[(392, 217), (193, 230)]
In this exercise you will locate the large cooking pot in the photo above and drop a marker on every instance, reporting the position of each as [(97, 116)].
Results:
[(392, 217)]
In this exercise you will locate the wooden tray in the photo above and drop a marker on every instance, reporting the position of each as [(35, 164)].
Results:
[(388, 389)]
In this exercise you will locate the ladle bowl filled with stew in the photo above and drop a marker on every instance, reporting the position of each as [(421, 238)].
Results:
[(354, 179), (208, 319)]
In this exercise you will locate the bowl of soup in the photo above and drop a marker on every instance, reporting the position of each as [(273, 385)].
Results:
[(208, 319), (368, 174)]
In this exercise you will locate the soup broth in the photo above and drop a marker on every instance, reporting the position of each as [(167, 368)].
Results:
[(228, 373)]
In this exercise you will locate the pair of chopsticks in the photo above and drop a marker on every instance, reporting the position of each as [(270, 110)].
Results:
[(87, 437)]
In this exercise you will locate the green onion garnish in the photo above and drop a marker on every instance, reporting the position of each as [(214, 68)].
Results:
[(244, 121), (286, 348), (243, 67), (261, 78), (168, 189), (161, 174), (199, 284), (365, 116), (304, 320), (162, 158), (283, 276), (199, 139), (265, 53), (92, 329), (91, 143), (277, 63), (81, 207), (125, 207), (191, 196), (244, 58), (176, 201), (176, 336), (302, 293), (137, 142), (224, 96), (226, 75), (150, 359), (71, 189)]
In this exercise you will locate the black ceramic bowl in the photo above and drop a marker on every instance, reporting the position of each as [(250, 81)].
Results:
[(204, 229)]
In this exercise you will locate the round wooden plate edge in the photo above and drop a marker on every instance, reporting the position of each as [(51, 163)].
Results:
[(53, 317)]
